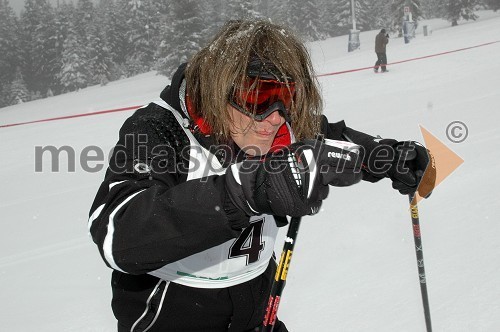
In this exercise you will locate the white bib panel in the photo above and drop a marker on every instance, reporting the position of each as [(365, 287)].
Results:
[(232, 262)]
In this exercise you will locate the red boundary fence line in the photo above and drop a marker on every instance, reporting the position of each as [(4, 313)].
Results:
[(71, 116), (412, 59), (321, 75)]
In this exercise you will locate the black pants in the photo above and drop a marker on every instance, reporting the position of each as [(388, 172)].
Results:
[(381, 61), (145, 302)]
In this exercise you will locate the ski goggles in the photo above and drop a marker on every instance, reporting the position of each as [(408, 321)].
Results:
[(259, 98)]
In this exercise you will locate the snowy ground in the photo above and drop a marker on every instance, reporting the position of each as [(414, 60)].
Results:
[(354, 265)]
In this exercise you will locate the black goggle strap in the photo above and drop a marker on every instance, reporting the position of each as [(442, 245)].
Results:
[(260, 68)]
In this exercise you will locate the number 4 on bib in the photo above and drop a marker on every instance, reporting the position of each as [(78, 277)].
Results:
[(249, 243)]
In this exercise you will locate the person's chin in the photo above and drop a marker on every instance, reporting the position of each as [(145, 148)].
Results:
[(264, 148), (265, 139)]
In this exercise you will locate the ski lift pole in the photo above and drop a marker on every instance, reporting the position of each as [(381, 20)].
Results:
[(417, 236), (280, 276)]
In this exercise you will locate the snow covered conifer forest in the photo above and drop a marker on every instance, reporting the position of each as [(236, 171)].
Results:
[(49, 49)]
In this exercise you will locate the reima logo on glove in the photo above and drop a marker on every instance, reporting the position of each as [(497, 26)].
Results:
[(347, 146), (338, 155)]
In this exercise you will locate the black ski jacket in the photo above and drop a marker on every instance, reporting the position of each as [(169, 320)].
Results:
[(158, 217)]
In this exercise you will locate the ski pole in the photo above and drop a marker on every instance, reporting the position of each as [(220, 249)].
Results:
[(417, 236), (280, 276)]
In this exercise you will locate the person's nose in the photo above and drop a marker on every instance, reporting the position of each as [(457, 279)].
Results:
[(275, 118)]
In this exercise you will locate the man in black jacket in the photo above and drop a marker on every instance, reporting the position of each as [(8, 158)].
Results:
[(381, 41), (201, 179)]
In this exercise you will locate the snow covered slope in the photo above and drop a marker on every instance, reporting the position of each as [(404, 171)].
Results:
[(354, 266)]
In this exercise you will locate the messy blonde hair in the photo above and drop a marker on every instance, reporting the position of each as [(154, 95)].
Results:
[(221, 66)]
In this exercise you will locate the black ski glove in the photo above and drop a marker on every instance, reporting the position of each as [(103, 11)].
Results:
[(293, 181), (405, 163)]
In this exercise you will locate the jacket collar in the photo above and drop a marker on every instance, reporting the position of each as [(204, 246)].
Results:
[(175, 95), (170, 93)]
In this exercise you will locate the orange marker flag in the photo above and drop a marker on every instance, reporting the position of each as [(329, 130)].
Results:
[(444, 159)]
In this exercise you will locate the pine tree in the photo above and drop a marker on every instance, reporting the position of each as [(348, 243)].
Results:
[(213, 19), (381, 15), (143, 23), (9, 45), (468, 9), (99, 58), (493, 4), (74, 71), (310, 20), (327, 22), (363, 14), (454, 10), (430, 8), (17, 92), (304, 18), (64, 16), (264, 7), (38, 46), (279, 12), (112, 19), (372, 14), (241, 9), (164, 45), (84, 18), (184, 37), (3, 94), (343, 16), (294, 7)]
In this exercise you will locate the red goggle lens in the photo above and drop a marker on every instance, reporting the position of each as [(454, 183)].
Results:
[(259, 95)]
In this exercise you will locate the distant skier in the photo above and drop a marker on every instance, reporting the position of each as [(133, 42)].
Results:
[(381, 41)]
